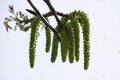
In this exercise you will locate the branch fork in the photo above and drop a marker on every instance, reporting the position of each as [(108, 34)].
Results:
[(52, 12)]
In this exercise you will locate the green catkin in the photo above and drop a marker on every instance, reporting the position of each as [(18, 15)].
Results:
[(71, 43), (48, 39), (77, 40), (84, 21), (64, 45), (64, 42), (54, 49), (76, 30), (33, 37)]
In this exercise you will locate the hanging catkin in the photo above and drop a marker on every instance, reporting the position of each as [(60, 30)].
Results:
[(77, 38), (84, 21), (54, 48), (67, 33), (33, 37), (48, 38), (71, 43), (64, 40), (76, 31)]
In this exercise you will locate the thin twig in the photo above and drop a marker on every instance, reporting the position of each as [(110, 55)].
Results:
[(47, 14), (51, 14), (44, 20), (53, 11), (32, 12)]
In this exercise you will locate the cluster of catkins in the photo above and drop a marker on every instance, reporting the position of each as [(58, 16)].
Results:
[(70, 38)]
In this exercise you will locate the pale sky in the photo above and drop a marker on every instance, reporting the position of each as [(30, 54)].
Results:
[(104, 18)]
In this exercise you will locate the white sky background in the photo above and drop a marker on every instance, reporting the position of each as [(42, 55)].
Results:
[(105, 44)]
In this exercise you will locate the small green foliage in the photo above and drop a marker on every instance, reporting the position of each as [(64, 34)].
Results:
[(11, 9), (20, 19), (7, 25)]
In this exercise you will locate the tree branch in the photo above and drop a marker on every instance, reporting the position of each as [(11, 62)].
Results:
[(47, 14), (44, 20), (53, 11)]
